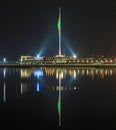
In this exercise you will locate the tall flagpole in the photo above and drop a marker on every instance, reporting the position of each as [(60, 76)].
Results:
[(59, 30)]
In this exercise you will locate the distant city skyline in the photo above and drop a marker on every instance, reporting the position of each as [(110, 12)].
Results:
[(30, 27)]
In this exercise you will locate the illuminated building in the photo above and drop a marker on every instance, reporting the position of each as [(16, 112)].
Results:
[(66, 60)]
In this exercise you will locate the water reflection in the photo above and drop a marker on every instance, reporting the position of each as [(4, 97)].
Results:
[(26, 73), (37, 77), (4, 85), (58, 80), (80, 71), (60, 74), (59, 98), (44, 79)]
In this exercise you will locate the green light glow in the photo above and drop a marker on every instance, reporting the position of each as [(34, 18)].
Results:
[(59, 106), (59, 25)]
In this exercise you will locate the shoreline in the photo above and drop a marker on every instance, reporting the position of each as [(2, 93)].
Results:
[(59, 65)]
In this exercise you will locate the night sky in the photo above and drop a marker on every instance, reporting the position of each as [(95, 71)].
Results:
[(30, 27)]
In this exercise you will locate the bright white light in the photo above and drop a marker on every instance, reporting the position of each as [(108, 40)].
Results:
[(4, 59), (38, 73), (74, 56), (38, 55), (74, 74)]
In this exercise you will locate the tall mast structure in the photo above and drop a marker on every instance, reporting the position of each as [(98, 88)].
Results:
[(59, 31)]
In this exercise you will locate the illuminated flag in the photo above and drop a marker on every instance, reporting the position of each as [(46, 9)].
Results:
[(59, 25)]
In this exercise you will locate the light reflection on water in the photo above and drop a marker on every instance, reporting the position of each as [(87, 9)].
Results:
[(38, 80), (73, 72)]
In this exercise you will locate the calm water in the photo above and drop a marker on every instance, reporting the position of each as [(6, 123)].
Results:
[(58, 98)]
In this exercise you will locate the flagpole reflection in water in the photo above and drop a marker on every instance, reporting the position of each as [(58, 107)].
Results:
[(4, 85), (59, 100)]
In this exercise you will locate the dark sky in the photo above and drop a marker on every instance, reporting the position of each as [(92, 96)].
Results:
[(30, 27)]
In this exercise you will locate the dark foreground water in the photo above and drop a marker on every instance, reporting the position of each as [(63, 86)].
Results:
[(58, 98)]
